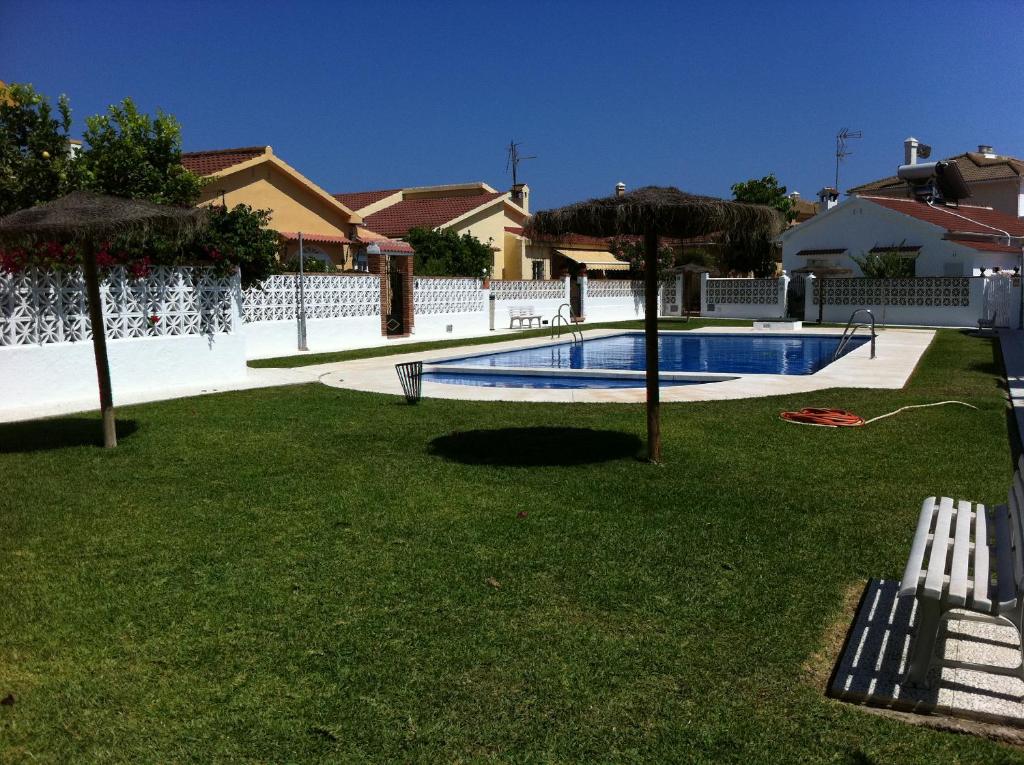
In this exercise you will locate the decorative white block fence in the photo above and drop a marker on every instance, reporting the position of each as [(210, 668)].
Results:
[(176, 328), (187, 329), (341, 309), (612, 299), (923, 300), (448, 307), (544, 296), (743, 298)]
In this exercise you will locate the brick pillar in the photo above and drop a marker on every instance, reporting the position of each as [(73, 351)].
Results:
[(376, 264), (404, 264)]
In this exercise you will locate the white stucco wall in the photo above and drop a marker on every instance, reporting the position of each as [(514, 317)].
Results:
[(889, 311), (859, 225), (266, 339), (32, 375)]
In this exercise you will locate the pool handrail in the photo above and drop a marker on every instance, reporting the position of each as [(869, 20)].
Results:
[(849, 332), (558, 321)]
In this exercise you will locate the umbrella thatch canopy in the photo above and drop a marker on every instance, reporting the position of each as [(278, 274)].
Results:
[(95, 218), (655, 212), (669, 211), (89, 220)]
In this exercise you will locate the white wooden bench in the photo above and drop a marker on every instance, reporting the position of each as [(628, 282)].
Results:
[(966, 562), (519, 314)]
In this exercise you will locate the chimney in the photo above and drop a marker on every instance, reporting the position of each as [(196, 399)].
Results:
[(828, 198), (910, 151), (620, 189), (985, 150), (521, 195)]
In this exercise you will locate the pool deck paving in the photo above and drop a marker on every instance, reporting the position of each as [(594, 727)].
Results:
[(872, 667), (898, 352)]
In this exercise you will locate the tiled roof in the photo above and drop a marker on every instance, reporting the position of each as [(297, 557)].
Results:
[(210, 162), (973, 167), (514, 230), (813, 253), (567, 239), (987, 246), (399, 218), (966, 218), (897, 248), (357, 200)]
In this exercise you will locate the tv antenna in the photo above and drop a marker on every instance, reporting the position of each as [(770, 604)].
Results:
[(514, 158), (842, 152)]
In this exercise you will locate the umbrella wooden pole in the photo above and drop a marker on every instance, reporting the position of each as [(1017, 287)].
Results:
[(99, 347), (651, 343)]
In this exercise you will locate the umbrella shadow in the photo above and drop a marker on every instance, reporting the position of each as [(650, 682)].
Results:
[(536, 446), (57, 433)]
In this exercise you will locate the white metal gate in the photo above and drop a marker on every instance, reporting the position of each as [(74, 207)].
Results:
[(997, 299)]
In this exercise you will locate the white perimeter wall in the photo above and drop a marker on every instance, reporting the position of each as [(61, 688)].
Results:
[(33, 375), (890, 312)]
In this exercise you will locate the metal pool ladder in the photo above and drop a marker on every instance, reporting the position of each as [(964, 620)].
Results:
[(559, 321), (851, 330)]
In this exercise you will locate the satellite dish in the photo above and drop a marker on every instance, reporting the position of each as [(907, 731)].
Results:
[(924, 151)]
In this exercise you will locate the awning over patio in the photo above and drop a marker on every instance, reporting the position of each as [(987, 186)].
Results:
[(595, 259), (293, 236)]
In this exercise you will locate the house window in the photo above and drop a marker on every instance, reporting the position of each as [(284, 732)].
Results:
[(538, 269)]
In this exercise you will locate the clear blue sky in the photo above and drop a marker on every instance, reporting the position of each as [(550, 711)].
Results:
[(378, 95)]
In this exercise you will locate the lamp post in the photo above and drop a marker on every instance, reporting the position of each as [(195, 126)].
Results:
[(301, 313)]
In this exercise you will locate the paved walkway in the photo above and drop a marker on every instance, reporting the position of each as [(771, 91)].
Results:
[(898, 353)]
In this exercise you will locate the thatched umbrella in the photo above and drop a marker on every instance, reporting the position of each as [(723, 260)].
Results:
[(87, 221), (654, 212)]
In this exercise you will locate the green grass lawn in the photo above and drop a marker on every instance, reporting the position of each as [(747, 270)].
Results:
[(310, 574)]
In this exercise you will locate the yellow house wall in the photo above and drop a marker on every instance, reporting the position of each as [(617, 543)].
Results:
[(488, 225), (293, 207), (515, 256)]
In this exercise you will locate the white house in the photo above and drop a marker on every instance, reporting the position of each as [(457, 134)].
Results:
[(944, 239)]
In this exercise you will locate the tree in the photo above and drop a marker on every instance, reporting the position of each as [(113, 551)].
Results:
[(35, 157), (131, 154), (240, 237), (444, 252), (749, 252), (632, 251), (890, 264)]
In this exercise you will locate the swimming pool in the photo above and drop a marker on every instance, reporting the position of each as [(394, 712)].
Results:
[(678, 352)]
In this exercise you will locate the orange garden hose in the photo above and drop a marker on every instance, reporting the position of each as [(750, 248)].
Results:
[(840, 418), (829, 418)]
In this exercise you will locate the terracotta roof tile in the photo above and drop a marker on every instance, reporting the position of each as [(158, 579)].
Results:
[(357, 200), (991, 247), (210, 162), (966, 218), (399, 218), (832, 251), (973, 167)]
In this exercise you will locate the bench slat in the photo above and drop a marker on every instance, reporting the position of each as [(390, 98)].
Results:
[(940, 546), (961, 554), (915, 563), (1006, 585), (982, 573)]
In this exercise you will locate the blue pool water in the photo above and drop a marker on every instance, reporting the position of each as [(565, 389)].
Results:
[(512, 380), (684, 352)]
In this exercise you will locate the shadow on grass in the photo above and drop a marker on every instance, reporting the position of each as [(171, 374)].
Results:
[(534, 447), (59, 433)]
